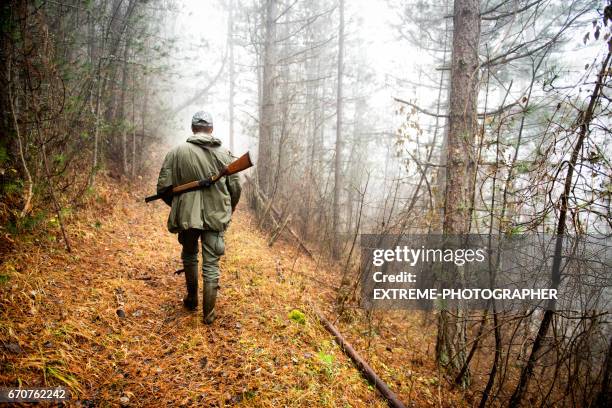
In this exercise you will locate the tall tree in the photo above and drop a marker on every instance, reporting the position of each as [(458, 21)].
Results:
[(232, 72), (460, 163), (339, 142), (266, 120)]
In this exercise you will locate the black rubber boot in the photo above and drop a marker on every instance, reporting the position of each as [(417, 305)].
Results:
[(209, 299), (191, 279)]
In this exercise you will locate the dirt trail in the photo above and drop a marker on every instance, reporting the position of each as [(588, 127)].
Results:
[(60, 327)]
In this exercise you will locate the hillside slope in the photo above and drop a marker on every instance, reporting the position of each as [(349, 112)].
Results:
[(60, 326), (59, 323)]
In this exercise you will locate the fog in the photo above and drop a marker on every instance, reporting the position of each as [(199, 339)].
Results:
[(379, 119), (200, 35)]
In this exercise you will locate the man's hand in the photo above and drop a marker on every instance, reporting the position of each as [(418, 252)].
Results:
[(166, 195)]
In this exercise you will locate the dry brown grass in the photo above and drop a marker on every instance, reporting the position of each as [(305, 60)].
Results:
[(60, 309)]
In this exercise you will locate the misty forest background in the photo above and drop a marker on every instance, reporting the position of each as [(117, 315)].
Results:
[(502, 126)]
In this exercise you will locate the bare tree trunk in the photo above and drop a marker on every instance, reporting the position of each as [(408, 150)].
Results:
[(461, 166), (232, 72), (124, 160), (463, 125), (339, 141), (145, 96), (91, 41), (133, 165), (96, 112), (264, 161), (27, 206), (441, 173), (353, 173)]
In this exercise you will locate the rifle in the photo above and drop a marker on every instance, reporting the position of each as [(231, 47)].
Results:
[(238, 165)]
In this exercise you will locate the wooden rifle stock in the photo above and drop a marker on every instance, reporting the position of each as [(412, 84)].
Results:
[(238, 165)]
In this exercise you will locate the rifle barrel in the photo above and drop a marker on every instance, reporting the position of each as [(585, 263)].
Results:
[(238, 165), (152, 198)]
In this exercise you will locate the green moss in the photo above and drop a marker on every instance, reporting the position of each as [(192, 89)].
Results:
[(297, 316), (326, 359)]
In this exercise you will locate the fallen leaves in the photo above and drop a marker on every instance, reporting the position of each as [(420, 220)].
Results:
[(113, 329), (110, 325)]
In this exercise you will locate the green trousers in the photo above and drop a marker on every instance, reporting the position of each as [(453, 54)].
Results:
[(213, 247)]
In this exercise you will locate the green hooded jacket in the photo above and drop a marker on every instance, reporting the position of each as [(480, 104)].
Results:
[(207, 209)]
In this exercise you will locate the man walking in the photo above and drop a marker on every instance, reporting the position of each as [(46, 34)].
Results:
[(203, 214)]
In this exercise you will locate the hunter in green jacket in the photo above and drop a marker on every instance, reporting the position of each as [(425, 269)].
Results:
[(201, 214)]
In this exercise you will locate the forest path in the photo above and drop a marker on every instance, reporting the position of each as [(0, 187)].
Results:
[(60, 319)]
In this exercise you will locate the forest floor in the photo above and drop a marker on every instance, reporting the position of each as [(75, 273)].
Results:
[(59, 323)]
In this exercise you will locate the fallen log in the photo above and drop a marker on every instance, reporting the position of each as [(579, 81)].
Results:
[(365, 369), (276, 233), (259, 195)]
